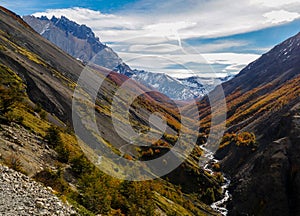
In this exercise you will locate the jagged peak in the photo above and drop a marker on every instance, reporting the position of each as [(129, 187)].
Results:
[(80, 31)]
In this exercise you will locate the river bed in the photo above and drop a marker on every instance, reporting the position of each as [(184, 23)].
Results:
[(220, 205)]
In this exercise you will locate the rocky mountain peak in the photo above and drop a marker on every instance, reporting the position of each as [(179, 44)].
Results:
[(80, 42), (77, 40), (80, 31)]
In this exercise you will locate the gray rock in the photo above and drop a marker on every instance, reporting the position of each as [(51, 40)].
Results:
[(19, 195)]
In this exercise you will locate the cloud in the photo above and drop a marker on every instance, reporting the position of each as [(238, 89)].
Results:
[(156, 45), (154, 49), (94, 19), (184, 19), (230, 58), (160, 28), (220, 45), (184, 65), (281, 16), (275, 3)]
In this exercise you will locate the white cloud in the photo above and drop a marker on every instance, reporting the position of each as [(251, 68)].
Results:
[(94, 19), (189, 64), (235, 61), (230, 58), (281, 16), (154, 49), (156, 45), (274, 3), (196, 19), (158, 28), (220, 45)]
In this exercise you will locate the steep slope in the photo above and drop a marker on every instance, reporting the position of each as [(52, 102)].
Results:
[(36, 89), (276, 66), (258, 151), (80, 42), (265, 87), (50, 74)]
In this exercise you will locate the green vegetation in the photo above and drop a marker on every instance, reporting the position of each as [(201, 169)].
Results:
[(92, 191), (242, 139), (31, 56), (63, 153), (209, 196), (71, 175), (80, 165), (11, 90), (53, 137), (30, 120), (53, 179), (246, 139), (38, 109), (138, 198), (256, 102)]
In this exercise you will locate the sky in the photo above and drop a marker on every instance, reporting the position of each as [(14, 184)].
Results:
[(179, 37)]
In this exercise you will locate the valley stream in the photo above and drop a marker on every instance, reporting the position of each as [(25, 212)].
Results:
[(220, 205)]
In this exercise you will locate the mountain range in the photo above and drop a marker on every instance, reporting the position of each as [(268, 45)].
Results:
[(80, 42), (258, 152), (37, 136)]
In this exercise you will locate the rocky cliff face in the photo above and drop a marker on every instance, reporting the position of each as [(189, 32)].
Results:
[(77, 40), (264, 99), (267, 181)]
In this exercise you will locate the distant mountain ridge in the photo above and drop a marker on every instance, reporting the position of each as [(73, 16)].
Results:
[(80, 42)]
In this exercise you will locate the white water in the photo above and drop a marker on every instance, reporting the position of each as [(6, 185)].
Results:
[(220, 205)]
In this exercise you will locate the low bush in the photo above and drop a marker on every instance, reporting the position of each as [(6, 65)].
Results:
[(245, 139), (53, 137), (14, 162)]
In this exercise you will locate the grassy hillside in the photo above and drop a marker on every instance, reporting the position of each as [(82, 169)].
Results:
[(37, 81)]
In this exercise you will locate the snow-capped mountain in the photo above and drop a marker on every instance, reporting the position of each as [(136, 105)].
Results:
[(80, 42), (178, 89), (170, 86)]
